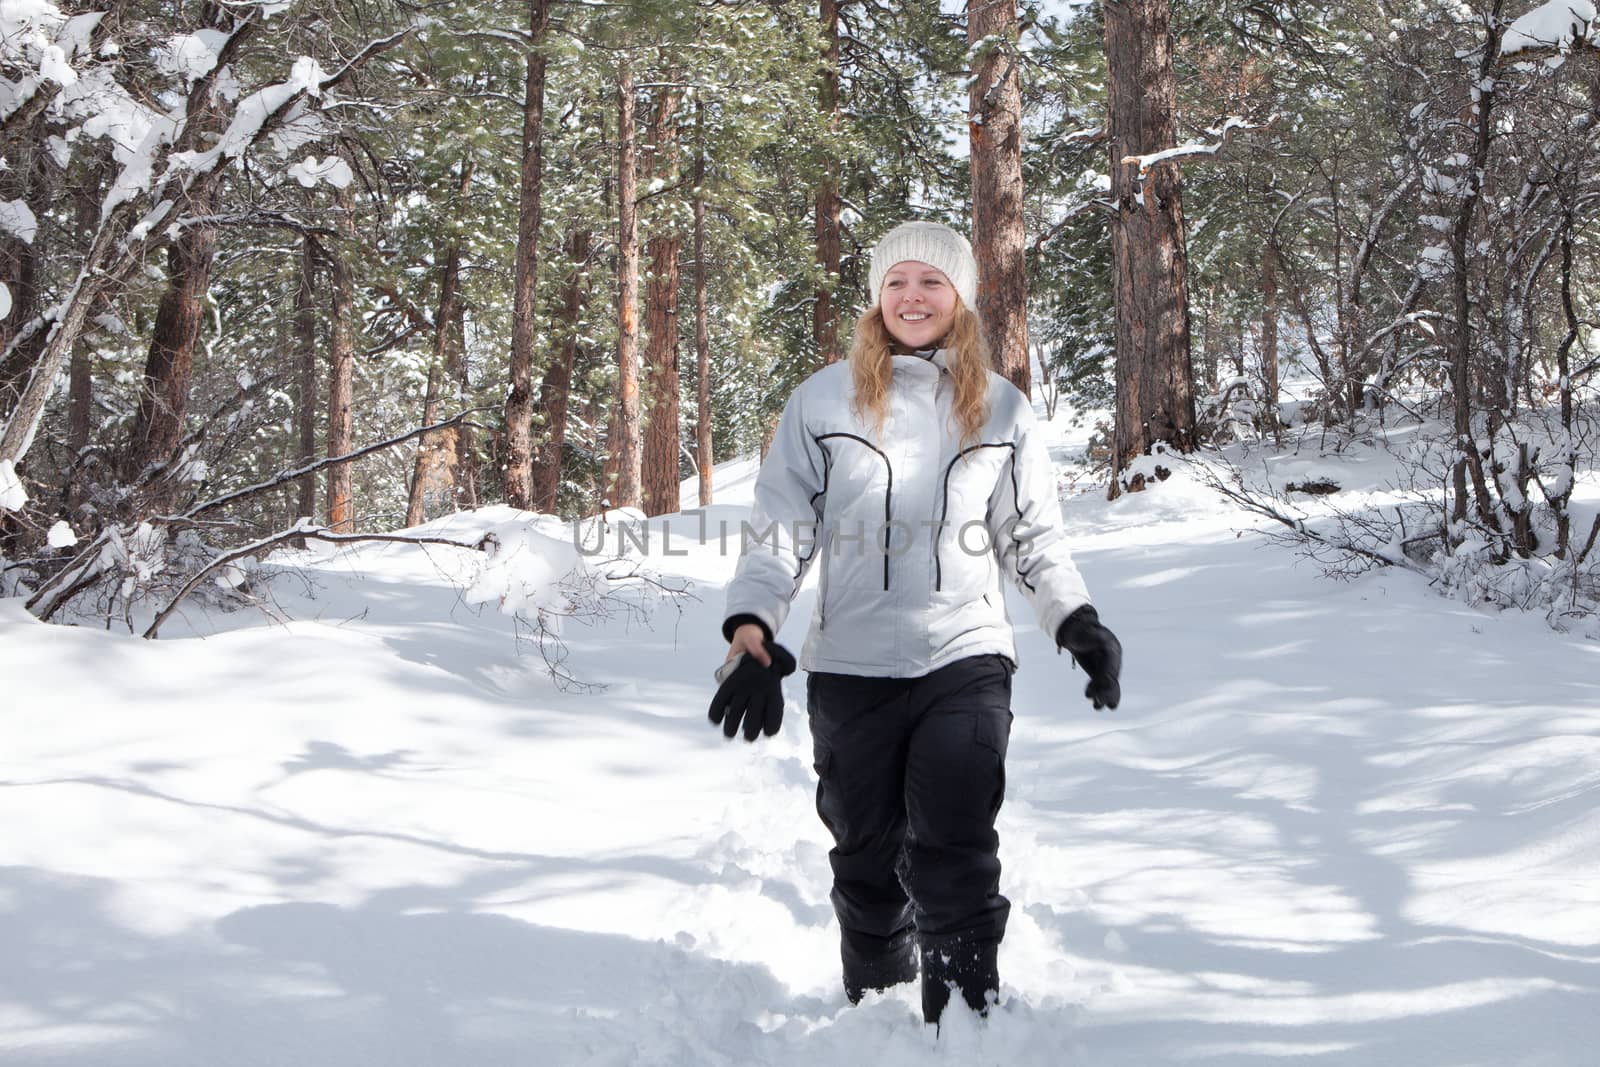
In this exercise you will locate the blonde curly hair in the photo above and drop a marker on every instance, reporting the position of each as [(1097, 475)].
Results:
[(871, 368)]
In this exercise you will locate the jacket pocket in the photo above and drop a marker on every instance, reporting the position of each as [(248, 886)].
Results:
[(829, 809), (991, 734)]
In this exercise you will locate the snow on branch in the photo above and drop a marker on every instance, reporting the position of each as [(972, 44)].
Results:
[(1558, 25), (115, 255), (1195, 150)]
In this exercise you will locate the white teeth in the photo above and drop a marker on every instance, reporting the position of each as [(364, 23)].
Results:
[(914, 317)]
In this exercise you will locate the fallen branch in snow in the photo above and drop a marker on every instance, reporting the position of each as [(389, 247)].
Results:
[(593, 593), (1269, 506), (1413, 531), (92, 563), (299, 531), (85, 569), (1588, 546), (285, 477)]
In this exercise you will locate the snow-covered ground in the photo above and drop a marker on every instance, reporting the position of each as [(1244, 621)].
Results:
[(1331, 823)]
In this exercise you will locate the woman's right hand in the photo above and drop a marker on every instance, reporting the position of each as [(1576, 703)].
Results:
[(752, 639)]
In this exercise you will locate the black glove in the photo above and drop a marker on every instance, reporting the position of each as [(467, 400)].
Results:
[(1097, 650), (754, 694)]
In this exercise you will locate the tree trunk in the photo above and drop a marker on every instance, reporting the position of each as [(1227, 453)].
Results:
[(1469, 465), (467, 476), (19, 263), (1155, 381), (341, 370), (659, 465), (825, 310), (1269, 339), (998, 237), (624, 440), (305, 340), (433, 474), (556, 392), (702, 338), (164, 395), (611, 466), (117, 251), (519, 402), (427, 459), (1567, 444), (80, 371), (80, 399), (660, 462), (63, 334)]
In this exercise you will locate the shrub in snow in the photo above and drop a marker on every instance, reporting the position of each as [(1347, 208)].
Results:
[(542, 580), (527, 573), (1235, 412), (1410, 522)]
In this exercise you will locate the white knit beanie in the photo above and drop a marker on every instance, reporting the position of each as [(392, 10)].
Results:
[(932, 243)]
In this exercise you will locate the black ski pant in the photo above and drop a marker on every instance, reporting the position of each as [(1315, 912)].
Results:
[(911, 774)]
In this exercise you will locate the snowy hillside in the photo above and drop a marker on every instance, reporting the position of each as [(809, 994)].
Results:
[(1330, 824)]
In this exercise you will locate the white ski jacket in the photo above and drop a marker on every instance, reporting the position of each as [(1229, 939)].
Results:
[(913, 531)]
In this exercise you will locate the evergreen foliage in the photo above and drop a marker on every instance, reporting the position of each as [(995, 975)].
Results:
[(1427, 202)]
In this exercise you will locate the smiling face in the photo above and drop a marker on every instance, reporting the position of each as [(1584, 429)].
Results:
[(918, 304)]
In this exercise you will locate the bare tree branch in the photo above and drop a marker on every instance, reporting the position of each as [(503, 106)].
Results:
[(294, 533), (285, 477)]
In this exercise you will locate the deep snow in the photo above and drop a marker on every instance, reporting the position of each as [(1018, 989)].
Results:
[(1331, 823)]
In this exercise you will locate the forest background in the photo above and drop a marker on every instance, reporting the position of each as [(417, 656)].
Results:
[(249, 251)]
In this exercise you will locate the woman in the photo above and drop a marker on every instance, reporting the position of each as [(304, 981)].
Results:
[(919, 477)]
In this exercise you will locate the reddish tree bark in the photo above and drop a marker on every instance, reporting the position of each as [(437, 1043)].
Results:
[(702, 338), (157, 426), (519, 402), (341, 371), (467, 476), (305, 334), (659, 465), (433, 471), (556, 392), (825, 310), (1155, 380), (660, 460), (998, 237), (169, 365), (624, 437)]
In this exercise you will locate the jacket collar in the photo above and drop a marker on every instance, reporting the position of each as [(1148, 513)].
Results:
[(918, 362)]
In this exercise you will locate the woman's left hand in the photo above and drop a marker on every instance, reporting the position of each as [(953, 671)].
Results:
[(1097, 650)]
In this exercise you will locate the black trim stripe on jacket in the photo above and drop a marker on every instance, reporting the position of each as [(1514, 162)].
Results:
[(888, 492), (944, 504)]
